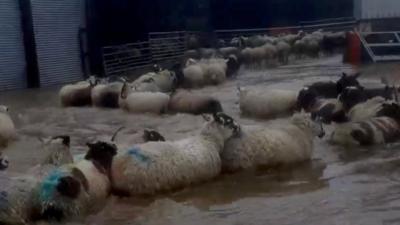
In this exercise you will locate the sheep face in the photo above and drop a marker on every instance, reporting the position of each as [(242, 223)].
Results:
[(102, 153), (58, 149), (4, 109), (347, 81), (306, 98), (225, 124), (152, 136), (4, 163), (351, 96), (304, 121)]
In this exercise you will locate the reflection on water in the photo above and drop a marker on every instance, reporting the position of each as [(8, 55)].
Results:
[(339, 186)]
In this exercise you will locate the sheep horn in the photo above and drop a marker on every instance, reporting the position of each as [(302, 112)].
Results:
[(124, 90), (116, 133)]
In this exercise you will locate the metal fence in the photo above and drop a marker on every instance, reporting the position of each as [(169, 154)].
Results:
[(167, 46), (120, 59)]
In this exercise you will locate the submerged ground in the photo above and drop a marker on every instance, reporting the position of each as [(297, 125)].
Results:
[(340, 186)]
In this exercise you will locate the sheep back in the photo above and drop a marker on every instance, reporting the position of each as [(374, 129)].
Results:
[(145, 102), (163, 166)]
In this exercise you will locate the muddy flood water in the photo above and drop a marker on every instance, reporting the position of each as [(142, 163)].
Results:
[(338, 187)]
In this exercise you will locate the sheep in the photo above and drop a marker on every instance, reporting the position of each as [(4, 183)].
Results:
[(227, 51), (208, 72), (258, 56), (7, 128), (331, 89), (78, 94), (366, 110), (73, 191), (162, 81), (374, 131), (128, 140), (18, 205), (329, 110), (207, 53), (163, 166), (143, 102), (309, 45), (106, 95), (258, 146), (292, 38), (267, 104), (186, 102), (283, 51)]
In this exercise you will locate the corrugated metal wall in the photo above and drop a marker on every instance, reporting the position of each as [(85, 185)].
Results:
[(56, 25), (12, 55), (377, 9)]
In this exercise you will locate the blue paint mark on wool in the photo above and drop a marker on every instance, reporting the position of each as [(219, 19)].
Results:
[(138, 154), (49, 184)]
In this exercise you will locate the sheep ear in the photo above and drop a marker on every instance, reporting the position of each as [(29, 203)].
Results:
[(206, 117)]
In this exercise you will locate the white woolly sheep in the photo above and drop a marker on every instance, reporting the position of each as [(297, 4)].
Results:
[(366, 110), (227, 51), (81, 189), (205, 72), (163, 166), (106, 95), (268, 103), (7, 128), (18, 205), (186, 102), (283, 52), (259, 146), (143, 102), (79, 94), (162, 81)]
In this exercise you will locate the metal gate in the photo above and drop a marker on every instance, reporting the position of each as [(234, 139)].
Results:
[(12, 54), (56, 26), (381, 46)]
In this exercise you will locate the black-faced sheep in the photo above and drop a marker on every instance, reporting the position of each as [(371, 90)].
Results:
[(268, 103), (186, 102), (7, 128), (270, 146), (143, 102), (77, 190), (331, 89), (329, 110), (17, 192), (163, 166)]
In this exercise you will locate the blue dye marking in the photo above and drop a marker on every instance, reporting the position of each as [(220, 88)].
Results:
[(49, 185), (137, 153)]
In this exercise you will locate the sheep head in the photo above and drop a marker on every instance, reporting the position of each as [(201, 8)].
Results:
[(152, 136), (304, 121), (347, 81), (4, 163), (101, 154), (4, 109)]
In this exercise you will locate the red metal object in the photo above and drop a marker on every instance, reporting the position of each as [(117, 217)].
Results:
[(353, 50)]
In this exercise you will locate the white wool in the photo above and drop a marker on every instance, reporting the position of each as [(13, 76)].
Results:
[(226, 51), (74, 92), (194, 75), (145, 102), (162, 81), (7, 129), (215, 72), (188, 102), (269, 146), (366, 110), (159, 166), (267, 103)]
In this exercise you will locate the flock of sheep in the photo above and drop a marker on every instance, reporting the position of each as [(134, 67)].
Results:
[(263, 50), (63, 187)]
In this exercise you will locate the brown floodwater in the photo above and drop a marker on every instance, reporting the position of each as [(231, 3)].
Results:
[(339, 186)]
